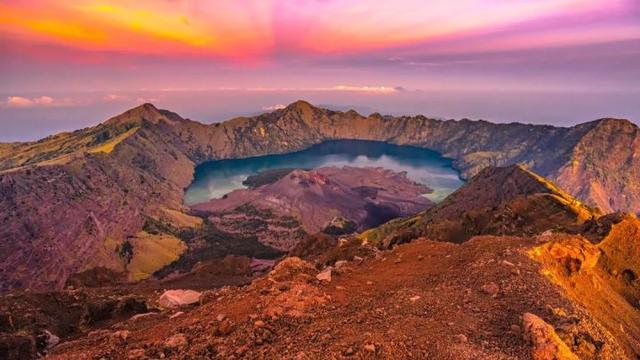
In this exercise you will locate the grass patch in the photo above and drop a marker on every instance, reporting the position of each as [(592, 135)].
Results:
[(153, 252), (108, 146)]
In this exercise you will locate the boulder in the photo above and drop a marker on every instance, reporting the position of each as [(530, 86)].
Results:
[(325, 275), (340, 264), (50, 340), (176, 298), (289, 268), (490, 289), (176, 341), (370, 348), (545, 342)]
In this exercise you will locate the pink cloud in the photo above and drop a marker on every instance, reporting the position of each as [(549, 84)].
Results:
[(382, 90), (115, 97), (274, 107), (19, 101)]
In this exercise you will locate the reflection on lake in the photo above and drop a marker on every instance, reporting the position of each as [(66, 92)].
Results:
[(213, 179)]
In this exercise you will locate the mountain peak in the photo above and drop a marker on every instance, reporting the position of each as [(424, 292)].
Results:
[(147, 106), (611, 124), (303, 110), (300, 105), (141, 113)]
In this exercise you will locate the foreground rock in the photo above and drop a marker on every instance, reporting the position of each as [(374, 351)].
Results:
[(325, 275), (177, 298), (600, 277)]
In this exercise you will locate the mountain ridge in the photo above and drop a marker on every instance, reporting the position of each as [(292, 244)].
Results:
[(108, 196)]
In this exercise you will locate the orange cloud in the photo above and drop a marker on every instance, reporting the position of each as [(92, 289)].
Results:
[(140, 27), (161, 25)]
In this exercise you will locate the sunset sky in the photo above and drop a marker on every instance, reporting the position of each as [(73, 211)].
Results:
[(66, 64)]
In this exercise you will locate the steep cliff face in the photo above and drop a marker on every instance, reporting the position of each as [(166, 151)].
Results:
[(71, 200), (79, 204), (604, 166)]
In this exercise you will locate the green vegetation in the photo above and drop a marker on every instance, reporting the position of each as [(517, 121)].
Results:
[(125, 251), (266, 177), (251, 210)]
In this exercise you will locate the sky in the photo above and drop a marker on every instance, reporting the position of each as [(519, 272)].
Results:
[(71, 64)]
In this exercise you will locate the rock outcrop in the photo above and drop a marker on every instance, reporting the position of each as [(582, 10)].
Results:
[(600, 277), (177, 298), (545, 343)]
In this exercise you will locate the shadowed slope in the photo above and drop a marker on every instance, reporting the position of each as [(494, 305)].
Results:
[(498, 201)]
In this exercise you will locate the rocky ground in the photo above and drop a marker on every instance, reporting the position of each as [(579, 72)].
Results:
[(486, 298)]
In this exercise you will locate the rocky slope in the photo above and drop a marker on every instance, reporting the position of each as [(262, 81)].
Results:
[(413, 302), (74, 199), (500, 201), (70, 202)]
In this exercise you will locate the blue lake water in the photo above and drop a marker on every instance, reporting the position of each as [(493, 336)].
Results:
[(213, 179)]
